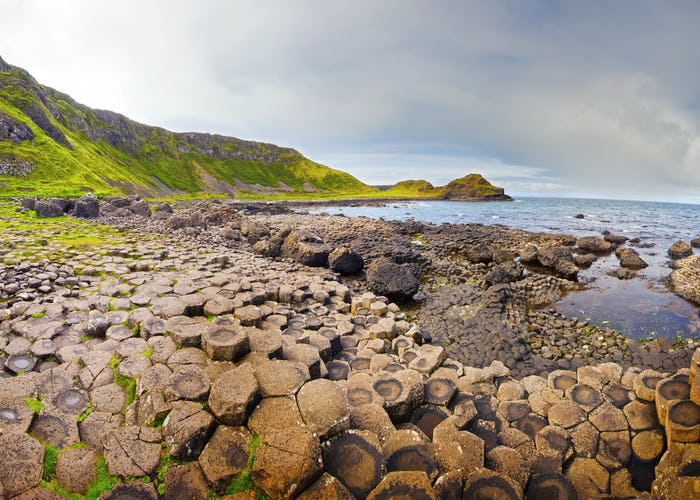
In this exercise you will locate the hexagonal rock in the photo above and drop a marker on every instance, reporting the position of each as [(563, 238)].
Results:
[(76, 468), (234, 395), (249, 315), (667, 390), (614, 449), (372, 417), (326, 486), (403, 484), (640, 415), (439, 391), (267, 341), (647, 446), (485, 483), (21, 463), (187, 428), (588, 477), (565, 414), (225, 455), (683, 421), (15, 415), (645, 384), (554, 439), (136, 490), (508, 462), (585, 396), (324, 407), (225, 344), (553, 485), (287, 462), (132, 451), (584, 438), (608, 418), (306, 354), (96, 426), (188, 382), (355, 458), (419, 457), (186, 482), (456, 448), (274, 414), (280, 377), (57, 429), (110, 398)]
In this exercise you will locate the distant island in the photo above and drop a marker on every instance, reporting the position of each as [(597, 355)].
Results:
[(50, 145)]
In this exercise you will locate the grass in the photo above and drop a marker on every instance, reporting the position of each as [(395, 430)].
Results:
[(243, 481), (127, 383), (35, 404), (103, 481)]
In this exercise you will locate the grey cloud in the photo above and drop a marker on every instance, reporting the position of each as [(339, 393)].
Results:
[(587, 98)]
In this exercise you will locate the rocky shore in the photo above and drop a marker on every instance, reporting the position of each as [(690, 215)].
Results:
[(233, 350)]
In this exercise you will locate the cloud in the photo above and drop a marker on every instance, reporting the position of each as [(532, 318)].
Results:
[(580, 98)]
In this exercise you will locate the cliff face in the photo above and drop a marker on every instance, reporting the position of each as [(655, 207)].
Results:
[(74, 148)]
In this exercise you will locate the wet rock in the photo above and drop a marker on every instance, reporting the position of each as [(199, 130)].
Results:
[(392, 280), (680, 249), (560, 260), (686, 278), (594, 244), (504, 273), (346, 262), (566, 414), (629, 258), (289, 461)]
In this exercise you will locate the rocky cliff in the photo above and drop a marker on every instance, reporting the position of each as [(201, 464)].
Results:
[(472, 187)]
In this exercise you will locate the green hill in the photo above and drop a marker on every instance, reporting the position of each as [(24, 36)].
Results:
[(472, 187), (51, 145)]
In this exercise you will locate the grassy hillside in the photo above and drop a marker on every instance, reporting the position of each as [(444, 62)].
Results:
[(52, 146), (472, 187)]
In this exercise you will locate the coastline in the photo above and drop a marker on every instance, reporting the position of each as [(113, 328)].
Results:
[(370, 364)]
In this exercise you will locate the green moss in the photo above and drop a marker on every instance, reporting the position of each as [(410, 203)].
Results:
[(34, 404), (103, 481), (50, 458), (85, 414), (244, 480), (148, 352)]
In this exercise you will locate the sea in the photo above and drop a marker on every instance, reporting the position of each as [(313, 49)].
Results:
[(640, 308)]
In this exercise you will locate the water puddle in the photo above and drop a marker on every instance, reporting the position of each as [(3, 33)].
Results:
[(637, 308)]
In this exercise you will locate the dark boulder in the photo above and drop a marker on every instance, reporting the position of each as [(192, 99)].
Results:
[(87, 207), (695, 243), (479, 253), (47, 209), (306, 248), (615, 239), (507, 272), (254, 231), (66, 205), (346, 262), (560, 260), (29, 203), (629, 258), (164, 207), (528, 255), (140, 208), (385, 277)]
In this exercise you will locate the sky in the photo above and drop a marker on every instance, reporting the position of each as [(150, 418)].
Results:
[(548, 98)]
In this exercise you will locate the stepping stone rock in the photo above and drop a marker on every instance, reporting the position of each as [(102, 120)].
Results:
[(457, 448), (135, 490), (589, 478), (548, 486), (585, 396), (404, 484), (281, 377), (288, 462), (484, 483), (439, 391), (324, 407), (647, 446), (187, 428), (225, 455), (508, 462), (76, 468), (234, 395), (680, 249), (21, 463), (355, 458), (326, 486), (110, 398), (641, 415), (189, 382), (132, 451), (57, 429), (645, 384), (185, 482), (683, 421), (667, 390), (225, 344), (274, 414), (566, 414), (608, 418)]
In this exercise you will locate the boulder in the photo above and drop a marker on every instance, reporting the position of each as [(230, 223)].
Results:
[(594, 244), (45, 209), (164, 207), (680, 249), (306, 248), (695, 243), (686, 278), (254, 230), (346, 262), (629, 258), (560, 260), (528, 255), (140, 208), (507, 272), (395, 281), (87, 207)]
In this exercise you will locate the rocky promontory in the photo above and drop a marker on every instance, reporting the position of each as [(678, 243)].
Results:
[(210, 350)]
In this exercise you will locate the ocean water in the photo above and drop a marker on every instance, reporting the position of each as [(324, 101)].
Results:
[(641, 307)]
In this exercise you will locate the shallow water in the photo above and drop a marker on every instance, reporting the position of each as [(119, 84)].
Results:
[(641, 307)]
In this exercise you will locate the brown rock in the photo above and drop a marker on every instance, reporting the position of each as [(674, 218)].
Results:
[(355, 459), (132, 451), (76, 468), (408, 485), (288, 462), (281, 377), (234, 395), (187, 428), (484, 483), (225, 455), (565, 414), (186, 482), (274, 414), (131, 491), (21, 463)]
